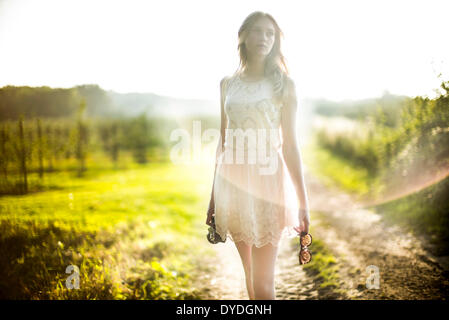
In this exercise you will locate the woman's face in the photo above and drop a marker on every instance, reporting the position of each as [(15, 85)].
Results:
[(260, 38)]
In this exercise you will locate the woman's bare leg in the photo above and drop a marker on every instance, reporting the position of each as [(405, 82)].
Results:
[(263, 264), (245, 255)]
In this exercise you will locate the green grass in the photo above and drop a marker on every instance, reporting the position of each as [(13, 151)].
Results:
[(97, 163), (323, 267), (424, 212), (337, 172), (130, 232)]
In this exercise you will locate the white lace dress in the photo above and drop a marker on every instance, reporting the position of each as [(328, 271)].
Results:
[(255, 200)]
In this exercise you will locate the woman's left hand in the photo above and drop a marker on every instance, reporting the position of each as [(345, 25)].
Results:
[(303, 224)]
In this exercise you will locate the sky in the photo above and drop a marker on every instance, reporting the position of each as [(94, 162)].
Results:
[(334, 49)]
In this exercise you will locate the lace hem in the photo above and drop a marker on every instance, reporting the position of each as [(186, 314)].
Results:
[(271, 237)]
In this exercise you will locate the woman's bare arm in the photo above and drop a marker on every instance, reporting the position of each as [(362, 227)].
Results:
[(290, 148), (223, 121), (220, 145)]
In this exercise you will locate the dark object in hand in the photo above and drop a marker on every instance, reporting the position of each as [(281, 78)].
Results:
[(213, 236)]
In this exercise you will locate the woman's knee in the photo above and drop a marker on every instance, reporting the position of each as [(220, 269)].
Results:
[(263, 290), (262, 277)]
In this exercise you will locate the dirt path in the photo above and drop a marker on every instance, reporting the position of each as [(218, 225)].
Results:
[(358, 238), (225, 281)]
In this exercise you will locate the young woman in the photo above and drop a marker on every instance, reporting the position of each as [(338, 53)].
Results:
[(253, 207)]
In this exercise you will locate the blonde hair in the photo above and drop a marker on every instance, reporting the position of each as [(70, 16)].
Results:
[(275, 67)]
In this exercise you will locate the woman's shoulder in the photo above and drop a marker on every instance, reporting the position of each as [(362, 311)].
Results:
[(289, 87), (227, 80), (228, 77), (224, 80), (289, 83)]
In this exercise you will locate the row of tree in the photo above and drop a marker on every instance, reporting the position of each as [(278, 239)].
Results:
[(46, 145), (49, 102), (417, 136)]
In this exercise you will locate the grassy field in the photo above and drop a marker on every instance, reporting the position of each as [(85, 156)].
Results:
[(425, 212), (336, 172), (130, 233)]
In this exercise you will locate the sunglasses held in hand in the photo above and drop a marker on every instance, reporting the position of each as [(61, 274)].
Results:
[(305, 240)]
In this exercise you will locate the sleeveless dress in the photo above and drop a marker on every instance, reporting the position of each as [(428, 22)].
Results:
[(255, 199)]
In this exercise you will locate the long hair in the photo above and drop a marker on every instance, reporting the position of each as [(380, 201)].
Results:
[(275, 66)]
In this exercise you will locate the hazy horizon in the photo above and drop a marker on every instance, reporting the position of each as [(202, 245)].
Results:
[(346, 50)]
